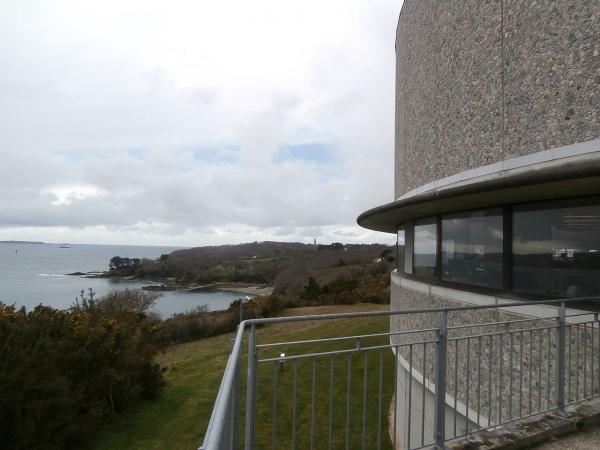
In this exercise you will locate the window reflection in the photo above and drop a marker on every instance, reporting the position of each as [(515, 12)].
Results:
[(401, 247), (556, 250), (472, 248), (425, 247)]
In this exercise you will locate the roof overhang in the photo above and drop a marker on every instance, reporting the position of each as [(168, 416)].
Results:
[(554, 179)]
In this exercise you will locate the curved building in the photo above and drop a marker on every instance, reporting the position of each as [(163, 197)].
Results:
[(497, 172), (497, 154)]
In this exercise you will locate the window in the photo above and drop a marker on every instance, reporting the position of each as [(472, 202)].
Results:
[(425, 248), (556, 249), (472, 248), (401, 247)]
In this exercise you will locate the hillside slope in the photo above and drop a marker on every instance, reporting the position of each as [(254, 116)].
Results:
[(178, 418)]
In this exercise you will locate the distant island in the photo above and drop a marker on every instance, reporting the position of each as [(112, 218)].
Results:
[(21, 242)]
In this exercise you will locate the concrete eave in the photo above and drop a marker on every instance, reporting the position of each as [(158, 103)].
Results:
[(572, 176)]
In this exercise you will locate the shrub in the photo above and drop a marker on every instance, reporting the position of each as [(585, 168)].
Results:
[(63, 372)]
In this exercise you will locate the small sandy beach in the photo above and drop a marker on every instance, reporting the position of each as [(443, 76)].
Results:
[(250, 290)]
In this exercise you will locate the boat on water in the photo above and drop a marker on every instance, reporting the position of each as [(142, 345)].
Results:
[(65, 245)]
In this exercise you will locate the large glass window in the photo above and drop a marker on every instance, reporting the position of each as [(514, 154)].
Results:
[(401, 247), (425, 246), (472, 248), (556, 249)]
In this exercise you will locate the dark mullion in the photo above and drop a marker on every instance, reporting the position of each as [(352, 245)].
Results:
[(438, 254), (507, 239), (397, 249)]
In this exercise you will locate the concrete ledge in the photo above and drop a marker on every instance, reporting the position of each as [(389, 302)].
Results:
[(532, 431), (541, 311)]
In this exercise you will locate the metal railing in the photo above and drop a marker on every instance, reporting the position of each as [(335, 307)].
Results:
[(457, 373)]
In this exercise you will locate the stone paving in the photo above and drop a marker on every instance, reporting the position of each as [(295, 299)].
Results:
[(586, 439)]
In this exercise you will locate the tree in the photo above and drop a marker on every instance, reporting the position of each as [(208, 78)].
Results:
[(120, 264), (312, 290), (62, 372)]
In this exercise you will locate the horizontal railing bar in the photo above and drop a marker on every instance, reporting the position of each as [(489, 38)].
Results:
[(567, 403), (339, 352), (457, 338), (591, 313), (503, 333), (580, 324), (424, 330), (345, 338), (504, 322), (269, 320)]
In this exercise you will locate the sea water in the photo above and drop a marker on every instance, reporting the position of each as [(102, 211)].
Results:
[(33, 274)]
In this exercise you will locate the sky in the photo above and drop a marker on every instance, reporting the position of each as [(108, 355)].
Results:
[(191, 123)]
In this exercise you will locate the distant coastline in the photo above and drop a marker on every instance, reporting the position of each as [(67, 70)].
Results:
[(169, 284), (21, 242)]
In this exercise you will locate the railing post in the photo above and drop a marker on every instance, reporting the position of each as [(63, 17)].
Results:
[(440, 381), (560, 359), (251, 388)]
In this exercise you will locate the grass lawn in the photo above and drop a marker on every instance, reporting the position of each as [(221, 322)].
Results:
[(178, 418)]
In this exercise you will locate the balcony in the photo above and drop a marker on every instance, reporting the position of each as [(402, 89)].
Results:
[(398, 388)]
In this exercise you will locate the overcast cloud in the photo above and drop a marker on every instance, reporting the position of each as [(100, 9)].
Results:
[(195, 122)]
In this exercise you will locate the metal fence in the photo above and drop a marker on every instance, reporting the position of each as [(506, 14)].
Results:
[(405, 388)]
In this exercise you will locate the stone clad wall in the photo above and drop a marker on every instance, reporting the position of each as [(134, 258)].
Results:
[(509, 375), (479, 82), (483, 81), (479, 359), (552, 74)]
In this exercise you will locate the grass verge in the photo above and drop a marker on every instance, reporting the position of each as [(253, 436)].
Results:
[(178, 418)]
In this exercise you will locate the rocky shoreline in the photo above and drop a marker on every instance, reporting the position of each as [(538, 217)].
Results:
[(169, 284), (241, 288), (89, 274)]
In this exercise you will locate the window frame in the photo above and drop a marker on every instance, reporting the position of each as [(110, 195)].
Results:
[(466, 215), (401, 227), (546, 205), (507, 212), (429, 220)]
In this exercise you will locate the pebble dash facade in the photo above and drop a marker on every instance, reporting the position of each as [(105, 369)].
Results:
[(497, 160)]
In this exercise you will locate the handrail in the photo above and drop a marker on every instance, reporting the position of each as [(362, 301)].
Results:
[(269, 320), (223, 428), (213, 437)]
